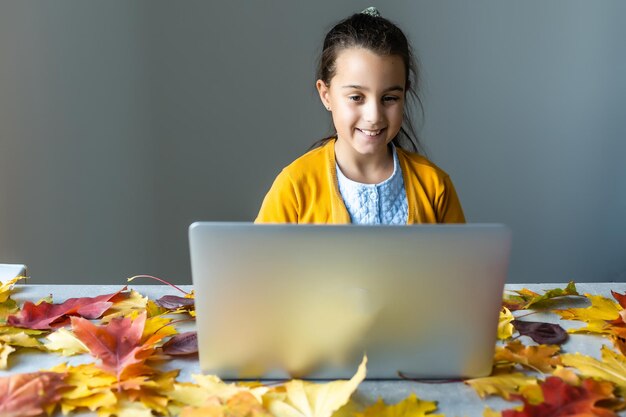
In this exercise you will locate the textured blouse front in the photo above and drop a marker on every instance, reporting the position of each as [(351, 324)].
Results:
[(307, 191), (382, 203)]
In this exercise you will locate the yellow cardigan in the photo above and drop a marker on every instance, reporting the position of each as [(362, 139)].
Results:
[(307, 191)]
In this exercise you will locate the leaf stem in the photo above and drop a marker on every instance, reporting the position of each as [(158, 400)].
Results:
[(160, 280), (404, 376)]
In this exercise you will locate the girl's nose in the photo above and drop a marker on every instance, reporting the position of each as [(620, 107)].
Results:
[(373, 112)]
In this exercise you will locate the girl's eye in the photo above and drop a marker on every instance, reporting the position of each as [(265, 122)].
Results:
[(354, 98), (390, 99)]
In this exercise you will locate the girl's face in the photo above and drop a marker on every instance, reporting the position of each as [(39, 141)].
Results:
[(366, 97)]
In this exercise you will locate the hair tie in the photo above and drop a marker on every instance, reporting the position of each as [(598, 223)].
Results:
[(371, 11)]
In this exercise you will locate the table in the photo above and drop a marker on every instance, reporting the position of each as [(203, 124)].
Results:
[(455, 399)]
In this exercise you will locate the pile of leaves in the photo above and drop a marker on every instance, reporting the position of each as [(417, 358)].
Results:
[(548, 381), (130, 336)]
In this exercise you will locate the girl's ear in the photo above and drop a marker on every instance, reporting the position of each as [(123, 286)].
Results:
[(324, 92)]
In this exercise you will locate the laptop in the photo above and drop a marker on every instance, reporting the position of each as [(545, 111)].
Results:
[(278, 301)]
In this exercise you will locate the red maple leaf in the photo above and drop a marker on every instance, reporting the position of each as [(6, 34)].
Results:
[(621, 298), (45, 316), (30, 394), (117, 344), (562, 399)]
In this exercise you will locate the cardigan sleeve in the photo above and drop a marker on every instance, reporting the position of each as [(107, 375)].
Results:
[(448, 206), (280, 204)]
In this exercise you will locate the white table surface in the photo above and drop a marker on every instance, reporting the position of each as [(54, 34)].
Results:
[(455, 399)]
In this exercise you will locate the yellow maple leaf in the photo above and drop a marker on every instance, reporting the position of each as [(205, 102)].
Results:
[(505, 328), (91, 388), (409, 407), (5, 351), (298, 398), (126, 408), (209, 386), (503, 384), (21, 339), (153, 309), (542, 358), (600, 311), (212, 386), (135, 302), (6, 288), (9, 341), (611, 368), (154, 391), (65, 342), (242, 404), (100, 391)]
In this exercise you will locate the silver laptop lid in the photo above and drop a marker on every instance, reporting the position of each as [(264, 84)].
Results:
[(278, 301)]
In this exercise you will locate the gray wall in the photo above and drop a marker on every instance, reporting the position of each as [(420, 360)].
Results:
[(123, 122)]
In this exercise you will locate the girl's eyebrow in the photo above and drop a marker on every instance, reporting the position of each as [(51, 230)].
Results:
[(360, 87)]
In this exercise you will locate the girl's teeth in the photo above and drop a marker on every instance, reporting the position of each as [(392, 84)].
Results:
[(371, 132)]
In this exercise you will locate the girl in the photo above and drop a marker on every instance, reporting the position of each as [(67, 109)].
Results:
[(369, 172)]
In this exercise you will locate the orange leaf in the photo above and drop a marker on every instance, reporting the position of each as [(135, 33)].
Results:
[(30, 394), (542, 358), (118, 343), (562, 399)]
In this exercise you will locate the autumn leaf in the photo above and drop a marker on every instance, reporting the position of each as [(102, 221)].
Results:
[(600, 311), (620, 344), (298, 398), (5, 351), (567, 375), (612, 367), (242, 404), (182, 344), (6, 288), (91, 388), (7, 308), (503, 385), (7, 305), (505, 328), (561, 399), (409, 407), (209, 386), (11, 340), (488, 412), (621, 298), (30, 394), (126, 408), (94, 389), (20, 339), (157, 324), (174, 302), (540, 358), (524, 299), (48, 316), (133, 302), (152, 390), (65, 342), (542, 333), (117, 344)]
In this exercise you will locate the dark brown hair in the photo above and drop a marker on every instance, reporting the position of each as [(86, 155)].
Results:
[(382, 37)]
